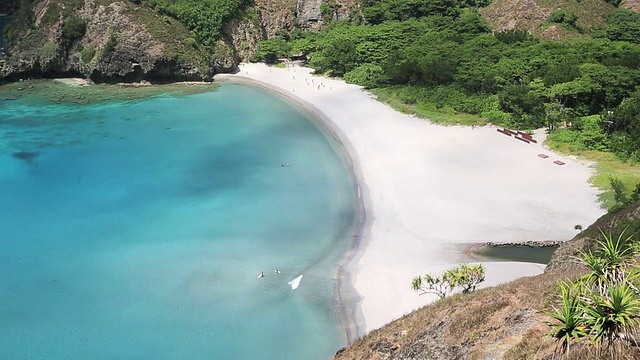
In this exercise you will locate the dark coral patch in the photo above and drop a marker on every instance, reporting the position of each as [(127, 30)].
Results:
[(25, 155)]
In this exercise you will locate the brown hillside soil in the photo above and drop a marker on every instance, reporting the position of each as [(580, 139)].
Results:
[(631, 5), (486, 324), (531, 14), (503, 322)]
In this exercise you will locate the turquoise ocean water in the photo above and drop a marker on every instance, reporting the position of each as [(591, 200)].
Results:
[(136, 230)]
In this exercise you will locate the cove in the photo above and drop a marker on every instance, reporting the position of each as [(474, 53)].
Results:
[(137, 228)]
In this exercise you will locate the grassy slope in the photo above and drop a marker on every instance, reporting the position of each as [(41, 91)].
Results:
[(607, 164)]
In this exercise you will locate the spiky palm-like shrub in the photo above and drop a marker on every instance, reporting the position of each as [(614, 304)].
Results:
[(604, 304), (568, 324), (612, 317)]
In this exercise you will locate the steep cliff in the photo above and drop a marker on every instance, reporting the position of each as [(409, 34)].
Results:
[(130, 40), (269, 19), (104, 40)]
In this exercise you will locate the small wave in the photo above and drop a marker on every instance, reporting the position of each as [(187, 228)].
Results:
[(295, 282)]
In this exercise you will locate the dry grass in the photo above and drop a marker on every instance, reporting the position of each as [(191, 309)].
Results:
[(503, 322), (486, 324)]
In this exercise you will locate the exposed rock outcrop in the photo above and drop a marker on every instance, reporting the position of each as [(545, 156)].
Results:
[(126, 42), (123, 42), (309, 14), (244, 35)]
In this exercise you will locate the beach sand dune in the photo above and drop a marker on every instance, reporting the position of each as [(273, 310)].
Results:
[(428, 188)]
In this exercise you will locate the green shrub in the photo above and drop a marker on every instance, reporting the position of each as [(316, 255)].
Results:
[(512, 36), (73, 29), (563, 17), (497, 117), (367, 75), (623, 25), (270, 50), (48, 50), (110, 46), (204, 18), (87, 54), (191, 42)]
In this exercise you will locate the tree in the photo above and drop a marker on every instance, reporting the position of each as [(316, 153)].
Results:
[(619, 192), (465, 276), (623, 25), (438, 285), (612, 317), (73, 29)]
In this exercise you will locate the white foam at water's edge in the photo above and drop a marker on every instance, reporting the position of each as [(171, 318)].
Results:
[(295, 282)]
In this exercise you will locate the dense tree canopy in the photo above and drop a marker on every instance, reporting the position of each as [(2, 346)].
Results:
[(442, 55)]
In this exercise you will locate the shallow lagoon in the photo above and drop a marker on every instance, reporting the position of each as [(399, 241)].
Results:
[(136, 228)]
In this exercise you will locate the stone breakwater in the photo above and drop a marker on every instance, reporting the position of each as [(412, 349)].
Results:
[(542, 243)]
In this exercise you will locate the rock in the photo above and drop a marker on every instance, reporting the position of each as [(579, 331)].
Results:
[(136, 56)]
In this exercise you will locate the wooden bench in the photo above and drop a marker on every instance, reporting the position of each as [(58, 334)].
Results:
[(527, 136)]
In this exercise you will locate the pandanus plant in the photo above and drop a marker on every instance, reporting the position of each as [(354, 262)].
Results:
[(612, 318), (568, 324), (604, 305)]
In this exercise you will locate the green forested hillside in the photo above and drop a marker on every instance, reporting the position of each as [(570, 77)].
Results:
[(443, 57)]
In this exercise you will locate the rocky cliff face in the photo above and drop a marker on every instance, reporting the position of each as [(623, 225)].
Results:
[(268, 19), (125, 42), (122, 42), (309, 14)]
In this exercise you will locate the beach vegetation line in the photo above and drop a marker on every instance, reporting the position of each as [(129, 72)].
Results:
[(446, 64)]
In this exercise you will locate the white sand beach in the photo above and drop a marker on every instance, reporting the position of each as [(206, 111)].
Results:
[(427, 189)]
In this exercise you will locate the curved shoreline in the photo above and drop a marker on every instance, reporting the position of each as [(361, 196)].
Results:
[(428, 189), (350, 317)]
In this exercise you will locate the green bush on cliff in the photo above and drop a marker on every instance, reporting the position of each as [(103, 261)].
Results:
[(24, 20), (204, 18), (73, 29), (87, 54), (110, 46), (48, 50)]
